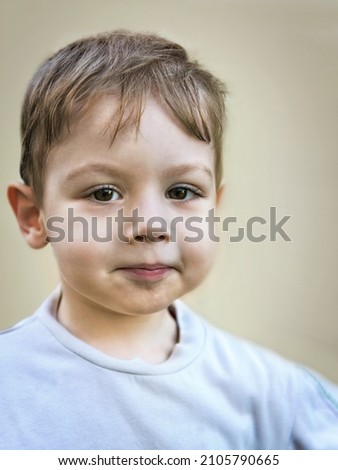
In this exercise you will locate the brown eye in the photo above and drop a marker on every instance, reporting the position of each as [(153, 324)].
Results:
[(178, 193), (183, 193), (105, 194)]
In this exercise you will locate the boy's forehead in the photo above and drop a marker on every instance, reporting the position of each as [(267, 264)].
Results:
[(103, 120), (159, 140), (99, 116)]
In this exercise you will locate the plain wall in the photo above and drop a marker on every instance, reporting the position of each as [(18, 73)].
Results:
[(279, 59)]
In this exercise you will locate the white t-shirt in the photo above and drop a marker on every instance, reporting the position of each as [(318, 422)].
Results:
[(214, 392)]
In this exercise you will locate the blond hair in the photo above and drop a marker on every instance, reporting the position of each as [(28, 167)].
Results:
[(130, 66)]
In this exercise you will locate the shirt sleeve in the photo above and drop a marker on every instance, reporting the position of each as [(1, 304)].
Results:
[(316, 421)]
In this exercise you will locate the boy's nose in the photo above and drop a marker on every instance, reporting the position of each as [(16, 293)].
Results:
[(148, 224)]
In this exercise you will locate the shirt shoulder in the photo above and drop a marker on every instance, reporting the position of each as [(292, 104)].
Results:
[(18, 334), (25, 340), (275, 389)]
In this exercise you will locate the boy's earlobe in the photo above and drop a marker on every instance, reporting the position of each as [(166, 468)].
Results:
[(28, 214)]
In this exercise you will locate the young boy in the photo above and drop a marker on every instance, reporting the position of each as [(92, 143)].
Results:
[(121, 165)]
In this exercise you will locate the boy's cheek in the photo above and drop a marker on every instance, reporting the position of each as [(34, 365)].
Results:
[(196, 230), (82, 262), (197, 245), (77, 229)]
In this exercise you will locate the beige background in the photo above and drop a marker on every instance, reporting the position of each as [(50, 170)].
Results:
[(280, 61)]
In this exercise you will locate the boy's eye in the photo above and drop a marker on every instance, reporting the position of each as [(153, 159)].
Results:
[(105, 194), (183, 193)]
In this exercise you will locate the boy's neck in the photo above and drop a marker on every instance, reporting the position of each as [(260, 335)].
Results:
[(149, 337)]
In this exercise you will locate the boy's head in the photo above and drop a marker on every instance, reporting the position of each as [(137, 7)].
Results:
[(122, 122), (129, 66)]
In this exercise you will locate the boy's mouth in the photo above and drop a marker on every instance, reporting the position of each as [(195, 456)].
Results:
[(151, 272)]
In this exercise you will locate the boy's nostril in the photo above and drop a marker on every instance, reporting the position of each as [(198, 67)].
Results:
[(151, 238), (141, 238)]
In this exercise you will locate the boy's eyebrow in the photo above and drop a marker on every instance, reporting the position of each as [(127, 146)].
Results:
[(179, 170), (182, 169), (96, 167)]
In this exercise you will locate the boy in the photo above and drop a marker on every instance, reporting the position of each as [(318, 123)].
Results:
[(122, 141)]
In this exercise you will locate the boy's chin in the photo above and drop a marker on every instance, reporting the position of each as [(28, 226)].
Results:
[(144, 308), (135, 304)]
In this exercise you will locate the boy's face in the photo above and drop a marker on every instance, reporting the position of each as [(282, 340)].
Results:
[(163, 172)]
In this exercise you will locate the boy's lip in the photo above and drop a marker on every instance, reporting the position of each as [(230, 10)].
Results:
[(149, 267), (150, 272)]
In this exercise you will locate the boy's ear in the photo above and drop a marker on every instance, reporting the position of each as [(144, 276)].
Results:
[(219, 194), (28, 214)]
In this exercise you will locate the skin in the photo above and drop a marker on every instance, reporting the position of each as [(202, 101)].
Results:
[(115, 295)]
